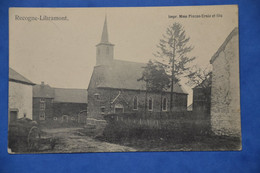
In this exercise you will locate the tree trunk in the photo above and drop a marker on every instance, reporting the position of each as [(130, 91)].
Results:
[(172, 77), (161, 105), (145, 102)]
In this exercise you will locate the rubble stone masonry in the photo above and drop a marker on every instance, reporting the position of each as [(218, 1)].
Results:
[(225, 96)]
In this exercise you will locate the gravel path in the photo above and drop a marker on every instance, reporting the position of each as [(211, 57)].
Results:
[(70, 140)]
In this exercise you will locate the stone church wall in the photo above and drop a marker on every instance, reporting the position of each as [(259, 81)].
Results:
[(109, 98)]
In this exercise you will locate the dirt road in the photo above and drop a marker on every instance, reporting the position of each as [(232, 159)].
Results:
[(70, 140)]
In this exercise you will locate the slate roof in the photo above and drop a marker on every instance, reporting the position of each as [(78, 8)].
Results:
[(124, 74), (64, 95), (70, 95), (222, 47), (43, 90), (16, 77)]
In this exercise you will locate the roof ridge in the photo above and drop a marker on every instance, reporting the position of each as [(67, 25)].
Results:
[(70, 88), (129, 61), (223, 45)]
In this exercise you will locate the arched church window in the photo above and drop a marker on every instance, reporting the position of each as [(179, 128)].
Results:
[(164, 104), (135, 103), (150, 104)]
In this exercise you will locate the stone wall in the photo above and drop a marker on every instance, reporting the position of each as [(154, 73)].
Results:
[(225, 97), (108, 99), (70, 109), (20, 99)]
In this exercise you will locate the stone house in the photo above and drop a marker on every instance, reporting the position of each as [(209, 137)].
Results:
[(114, 86), (43, 96), (225, 95), (20, 96), (59, 104)]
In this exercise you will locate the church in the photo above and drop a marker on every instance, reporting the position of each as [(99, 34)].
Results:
[(114, 86)]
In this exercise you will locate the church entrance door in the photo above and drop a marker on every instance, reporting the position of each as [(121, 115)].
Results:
[(119, 108)]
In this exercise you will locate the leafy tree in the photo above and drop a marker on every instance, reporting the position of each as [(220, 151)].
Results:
[(156, 79), (172, 54)]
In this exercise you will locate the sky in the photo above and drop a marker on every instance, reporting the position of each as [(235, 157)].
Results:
[(63, 53)]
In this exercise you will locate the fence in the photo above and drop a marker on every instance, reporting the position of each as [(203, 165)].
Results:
[(155, 123)]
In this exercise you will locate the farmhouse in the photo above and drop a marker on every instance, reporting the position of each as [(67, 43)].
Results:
[(20, 96), (59, 104), (114, 86), (225, 97)]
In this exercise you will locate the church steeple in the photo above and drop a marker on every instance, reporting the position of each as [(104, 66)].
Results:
[(105, 50), (104, 37)]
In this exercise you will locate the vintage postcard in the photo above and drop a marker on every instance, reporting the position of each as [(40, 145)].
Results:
[(124, 79)]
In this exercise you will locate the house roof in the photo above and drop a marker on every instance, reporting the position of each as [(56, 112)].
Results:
[(16, 77), (223, 46), (70, 95), (124, 75), (43, 90)]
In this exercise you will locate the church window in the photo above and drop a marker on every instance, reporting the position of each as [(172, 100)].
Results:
[(97, 96), (164, 104), (150, 104), (135, 103)]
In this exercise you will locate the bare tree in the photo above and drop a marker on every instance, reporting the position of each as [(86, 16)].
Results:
[(201, 79), (172, 54), (198, 76)]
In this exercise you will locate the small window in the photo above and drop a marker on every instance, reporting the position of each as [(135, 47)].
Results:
[(97, 96), (42, 100), (42, 116), (150, 104), (135, 103), (164, 104), (55, 118), (42, 106), (102, 109)]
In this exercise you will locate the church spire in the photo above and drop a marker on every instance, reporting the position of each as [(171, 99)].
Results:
[(104, 37), (105, 50)]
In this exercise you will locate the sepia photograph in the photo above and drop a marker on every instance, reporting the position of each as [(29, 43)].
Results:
[(124, 79)]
